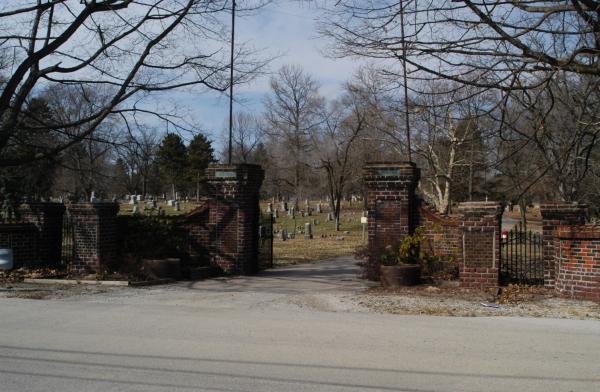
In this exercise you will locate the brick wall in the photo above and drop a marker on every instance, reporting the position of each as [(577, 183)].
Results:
[(391, 206), (95, 236), (480, 243), (22, 238), (233, 217), (554, 215), (577, 261), (442, 232), (198, 233)]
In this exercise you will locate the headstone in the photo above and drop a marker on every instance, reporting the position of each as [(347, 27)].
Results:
[(135, 209), (132, 200), (139, 197), (308, 231), (161, 211), (283, 235), (315, 222), (170, 203), (93, 197), (177, 206), (269, 208), (329, 217), (293, 212), (275, 214), (319, 208), (176, 195)]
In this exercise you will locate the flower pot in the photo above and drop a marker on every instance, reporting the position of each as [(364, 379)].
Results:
[(400, 275), (6, 259), (162, 268)]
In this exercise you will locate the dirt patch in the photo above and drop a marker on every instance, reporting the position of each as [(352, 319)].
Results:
[(514, 300)]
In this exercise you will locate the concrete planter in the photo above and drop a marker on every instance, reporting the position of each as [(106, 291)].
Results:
[(6, 259), (400, 275), (162, 268)]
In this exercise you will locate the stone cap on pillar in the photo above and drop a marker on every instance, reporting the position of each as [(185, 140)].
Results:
[(96, 208), (553, 208), (387, 173), (243, 173), (48, 208), (578, 232), (480, 208)]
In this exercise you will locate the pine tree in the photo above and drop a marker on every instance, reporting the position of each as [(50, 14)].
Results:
[(200, 155), (172, 160)]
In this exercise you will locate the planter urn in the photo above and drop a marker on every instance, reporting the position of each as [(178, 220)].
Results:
[(393, 276)]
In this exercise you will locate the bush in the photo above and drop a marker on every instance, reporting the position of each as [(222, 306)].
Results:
[(149, 237)]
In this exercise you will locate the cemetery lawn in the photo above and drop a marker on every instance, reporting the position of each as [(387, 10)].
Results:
[(126, 208), (326, 243)]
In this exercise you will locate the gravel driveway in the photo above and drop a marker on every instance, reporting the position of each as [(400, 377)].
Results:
[(329, 285)]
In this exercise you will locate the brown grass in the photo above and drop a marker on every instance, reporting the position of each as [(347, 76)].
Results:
[(326, 243)]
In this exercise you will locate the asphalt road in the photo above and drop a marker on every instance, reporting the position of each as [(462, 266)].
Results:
[(251, 334)]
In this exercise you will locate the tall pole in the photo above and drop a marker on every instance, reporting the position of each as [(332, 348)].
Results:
[(406, 111), (231, 80)]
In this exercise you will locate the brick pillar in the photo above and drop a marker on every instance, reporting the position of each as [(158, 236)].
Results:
[(555, 214), (95, 236), (577, 255), (48, 218), (390, 198), (480, 244), (234, 216)]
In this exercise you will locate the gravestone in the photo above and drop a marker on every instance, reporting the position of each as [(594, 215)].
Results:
[(308, 231)]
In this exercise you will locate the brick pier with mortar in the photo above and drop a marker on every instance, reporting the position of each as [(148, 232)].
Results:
[(95, 236), (233, 216), (577, 261), (554, 215), (390, 198), (480, 244)]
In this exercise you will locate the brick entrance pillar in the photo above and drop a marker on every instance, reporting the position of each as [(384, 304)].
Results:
[(390, 193), (555, 214), (48, 218), (234, 216), (95, 236), (480, 243)]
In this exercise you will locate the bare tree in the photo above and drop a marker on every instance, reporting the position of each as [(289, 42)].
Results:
[(247, 135), (128, 49), (292, 113), (335, 144)]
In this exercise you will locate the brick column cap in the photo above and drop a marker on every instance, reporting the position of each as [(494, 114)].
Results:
[(562, 206), (578, 232), (240, 172), (480, 207), (387, 171), (96, 208), (49, 208)]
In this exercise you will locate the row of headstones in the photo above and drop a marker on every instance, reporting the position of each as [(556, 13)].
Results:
[(151, 205)]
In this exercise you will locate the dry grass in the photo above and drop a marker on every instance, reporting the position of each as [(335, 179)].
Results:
[(126, 208), (326, 242)]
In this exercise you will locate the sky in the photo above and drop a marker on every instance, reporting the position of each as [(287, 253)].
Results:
[(283, 29)]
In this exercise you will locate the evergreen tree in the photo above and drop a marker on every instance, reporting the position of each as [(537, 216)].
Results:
[(200, 155), (172, 160)]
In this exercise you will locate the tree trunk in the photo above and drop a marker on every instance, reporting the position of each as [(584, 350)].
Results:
[(198, 186)]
